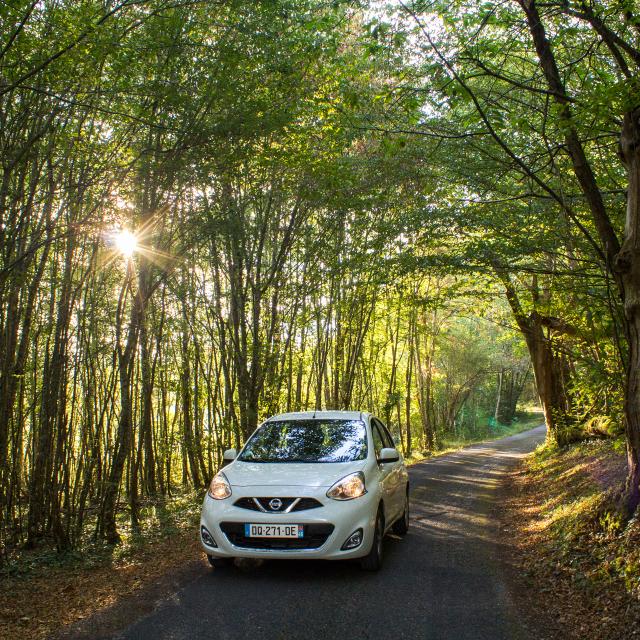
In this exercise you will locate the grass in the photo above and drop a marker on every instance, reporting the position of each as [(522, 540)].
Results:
[(581, 555), (585, 526)]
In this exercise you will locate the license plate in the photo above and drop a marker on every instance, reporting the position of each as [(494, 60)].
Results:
[(273, 530)]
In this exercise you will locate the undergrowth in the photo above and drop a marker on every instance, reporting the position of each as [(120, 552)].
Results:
[(159, 519), (587, 534)]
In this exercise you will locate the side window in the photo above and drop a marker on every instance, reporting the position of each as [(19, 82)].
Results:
[(378, 442), (386, 436)]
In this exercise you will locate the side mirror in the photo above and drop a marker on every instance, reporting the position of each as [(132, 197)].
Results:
[(388, 455), (229, 455)]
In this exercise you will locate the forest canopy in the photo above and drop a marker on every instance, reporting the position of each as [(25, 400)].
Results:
[(212, 212)]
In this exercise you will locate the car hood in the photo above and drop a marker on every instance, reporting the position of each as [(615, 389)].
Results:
[(289, 474)]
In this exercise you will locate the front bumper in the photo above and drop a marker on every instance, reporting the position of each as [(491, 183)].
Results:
[(344, 516)]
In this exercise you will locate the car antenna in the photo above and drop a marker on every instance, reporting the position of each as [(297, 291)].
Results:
[(314, 415)]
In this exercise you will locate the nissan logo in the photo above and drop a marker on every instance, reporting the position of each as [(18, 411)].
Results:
[(275, 504)]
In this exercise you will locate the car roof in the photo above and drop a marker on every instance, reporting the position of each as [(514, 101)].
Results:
[(322, 415)]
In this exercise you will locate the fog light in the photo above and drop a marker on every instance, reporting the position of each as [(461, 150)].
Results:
[(353, 541), (207, 538)]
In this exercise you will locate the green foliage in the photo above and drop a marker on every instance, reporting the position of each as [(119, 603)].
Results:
[(330, 204)]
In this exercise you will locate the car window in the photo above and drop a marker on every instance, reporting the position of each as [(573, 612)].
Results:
[(386, 436), (378, 441), (307, 441)]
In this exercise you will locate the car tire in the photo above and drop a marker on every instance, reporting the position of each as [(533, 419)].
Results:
[(218, 563), (373, 560), (401, 526)]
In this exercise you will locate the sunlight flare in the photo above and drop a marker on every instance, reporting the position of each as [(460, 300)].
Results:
[(125, 242)]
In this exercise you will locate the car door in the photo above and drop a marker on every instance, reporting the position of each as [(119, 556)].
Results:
[(396, 477), (385, 471)]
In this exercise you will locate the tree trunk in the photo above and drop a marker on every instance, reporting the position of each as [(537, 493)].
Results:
[(547, 369), (146, 431), (622, 261), (408, 383), (122, 444), (628, 266), (499, 400), (189, 445)]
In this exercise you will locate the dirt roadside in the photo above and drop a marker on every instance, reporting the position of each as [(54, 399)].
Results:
[(563, 567), (57, 603)]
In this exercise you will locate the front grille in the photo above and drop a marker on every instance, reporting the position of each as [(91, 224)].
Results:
[(293, 504), (306, 503), (315, 535), (247, 503)]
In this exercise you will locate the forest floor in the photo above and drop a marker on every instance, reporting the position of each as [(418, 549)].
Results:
[(33, 585), (32, 592), (572, 556)]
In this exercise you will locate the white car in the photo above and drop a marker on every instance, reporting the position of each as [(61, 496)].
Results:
[(323, 484)]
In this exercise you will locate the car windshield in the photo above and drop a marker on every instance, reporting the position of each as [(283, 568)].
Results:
[(307, 441)]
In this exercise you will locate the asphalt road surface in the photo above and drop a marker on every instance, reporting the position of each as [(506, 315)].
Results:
[(444, 580)]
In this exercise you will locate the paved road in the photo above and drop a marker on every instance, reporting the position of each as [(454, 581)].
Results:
[(442, 581)]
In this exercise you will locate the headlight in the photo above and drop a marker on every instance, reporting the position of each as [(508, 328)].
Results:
[(350, 487), (219, 489)]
